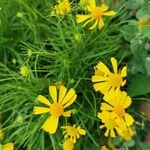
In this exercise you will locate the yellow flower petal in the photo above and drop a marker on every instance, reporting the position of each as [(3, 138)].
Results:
[(101, 23), (67, 113), (114, 64), (8, 146), (88, 21), (128, 119), (112, 133), (109, 13), (106, 133), (103, 68), (126, 100), (62, 93), (51, 124), (81, 131), (68, 97), (82, 18), (105, 106), (43, 100), (94, 25), (40, 110), (104, 7), (101, 86), (70, 101), (68, 145), (53, 93), (124, 72), (97, 78)]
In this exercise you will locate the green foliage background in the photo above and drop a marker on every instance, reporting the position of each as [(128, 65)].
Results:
[(57, 49)]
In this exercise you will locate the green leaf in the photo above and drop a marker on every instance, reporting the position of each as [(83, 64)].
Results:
[(134, 4), (129, 32), (137, 49), (139, 85), (143, 13), (147, 65), (145, 31), (144, 146), (129, 143)]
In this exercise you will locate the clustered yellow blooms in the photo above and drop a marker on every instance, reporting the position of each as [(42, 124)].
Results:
[(95, 16), (113, 113), (63, 7), (104, 80), (60, 100), (71, 133)]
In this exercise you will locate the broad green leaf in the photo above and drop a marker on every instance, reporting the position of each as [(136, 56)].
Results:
[(145, 31), (143, 13), (129, 143), (147, 65), (144, 146), (129, 32), (139, 85), (134, 4), (137, 48)]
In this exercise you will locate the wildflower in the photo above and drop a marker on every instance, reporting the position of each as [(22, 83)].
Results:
[(73, 132), (24, 71), (56, 108), (19, 119), (20, 15), (8, 146), (68, 145), (63, 7), (111, 123), (117, 102), (104, 148), (127, 134), (95, 15), (143, 22), (105, 80)]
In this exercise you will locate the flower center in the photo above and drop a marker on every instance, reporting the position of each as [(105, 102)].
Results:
[(116, 80), (56, 109), (96, 13), (119, 111), (110, 124), (72, 131)]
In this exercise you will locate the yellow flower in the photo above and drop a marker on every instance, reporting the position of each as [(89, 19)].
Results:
[(68, 145), (56, 109), (95, 15), (73, 132), (111, 123), (24, 71), (8, 146), (63, 7), (105, 80), (127, 134), (117, 102), (143, 22), (104, 148)]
